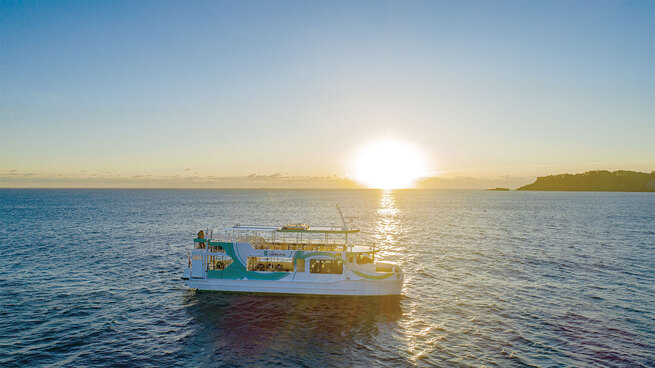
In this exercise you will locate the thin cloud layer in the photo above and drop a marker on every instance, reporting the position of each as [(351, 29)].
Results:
[(16, 179)]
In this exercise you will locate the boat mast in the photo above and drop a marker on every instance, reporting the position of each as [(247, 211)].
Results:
[(344, 225)]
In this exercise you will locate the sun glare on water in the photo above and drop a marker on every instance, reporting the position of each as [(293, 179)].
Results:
[(389, 164)]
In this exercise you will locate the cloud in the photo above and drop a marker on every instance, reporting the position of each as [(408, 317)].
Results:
[(12, 178), (96, 180)]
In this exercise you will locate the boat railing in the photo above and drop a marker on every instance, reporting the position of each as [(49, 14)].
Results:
[(258, 239), (282, 242)]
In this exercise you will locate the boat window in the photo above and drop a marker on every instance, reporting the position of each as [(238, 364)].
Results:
[(219, 262), (325, 266), (383, 267), (270, 264), (216, 248), (364, 258)]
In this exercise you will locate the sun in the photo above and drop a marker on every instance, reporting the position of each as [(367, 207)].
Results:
[(388, 164)]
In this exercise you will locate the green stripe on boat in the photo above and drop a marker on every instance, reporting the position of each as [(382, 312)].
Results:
[(237, 270), (371, 277)]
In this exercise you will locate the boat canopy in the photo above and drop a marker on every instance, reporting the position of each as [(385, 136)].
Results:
[(297, 229)]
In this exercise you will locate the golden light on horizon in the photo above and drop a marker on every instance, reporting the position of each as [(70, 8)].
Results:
[(389, 164)]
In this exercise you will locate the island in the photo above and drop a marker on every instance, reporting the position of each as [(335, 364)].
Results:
[(499, 189), (608, 181)]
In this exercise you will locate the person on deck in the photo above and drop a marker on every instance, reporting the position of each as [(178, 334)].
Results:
[(201, 235)]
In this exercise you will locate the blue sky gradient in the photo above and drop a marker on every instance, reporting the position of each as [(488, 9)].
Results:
[(233, 88)]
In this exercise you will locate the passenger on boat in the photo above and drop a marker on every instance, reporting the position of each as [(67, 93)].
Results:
[(201, 235)]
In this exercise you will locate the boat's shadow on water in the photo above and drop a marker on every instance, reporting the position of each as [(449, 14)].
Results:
[(293, 329)]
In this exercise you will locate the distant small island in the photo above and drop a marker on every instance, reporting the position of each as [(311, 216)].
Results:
[(607, 181), (499, 189)]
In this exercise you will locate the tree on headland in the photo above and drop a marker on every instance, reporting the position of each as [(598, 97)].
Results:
[(617, 181)]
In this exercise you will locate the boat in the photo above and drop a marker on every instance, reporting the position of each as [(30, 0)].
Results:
[(289, 259)]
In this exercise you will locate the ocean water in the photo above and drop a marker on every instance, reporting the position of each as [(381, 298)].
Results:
[(493, 279)]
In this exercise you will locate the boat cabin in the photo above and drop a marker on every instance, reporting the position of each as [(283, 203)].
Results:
[(283, 249)]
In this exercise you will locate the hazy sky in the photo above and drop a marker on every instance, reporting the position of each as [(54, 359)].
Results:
[(233, 88)]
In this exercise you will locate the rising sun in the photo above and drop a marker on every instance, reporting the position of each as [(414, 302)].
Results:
[(388, 164)]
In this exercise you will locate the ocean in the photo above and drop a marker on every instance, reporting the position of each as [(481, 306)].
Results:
[(91, 277)]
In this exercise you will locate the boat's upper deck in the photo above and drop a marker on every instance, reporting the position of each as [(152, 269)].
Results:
[(295, 228), (292, 237)]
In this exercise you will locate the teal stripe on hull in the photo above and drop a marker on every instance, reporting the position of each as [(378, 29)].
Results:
[(237, 270)]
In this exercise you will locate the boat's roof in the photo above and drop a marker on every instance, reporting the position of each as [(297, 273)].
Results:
[(309, 229)]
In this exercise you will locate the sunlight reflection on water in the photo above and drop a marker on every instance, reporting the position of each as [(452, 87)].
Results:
[(387, 225)]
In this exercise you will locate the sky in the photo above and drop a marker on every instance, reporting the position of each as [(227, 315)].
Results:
[(168, 93)]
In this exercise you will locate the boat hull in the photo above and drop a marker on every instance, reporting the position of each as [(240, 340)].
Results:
[(342, 287)]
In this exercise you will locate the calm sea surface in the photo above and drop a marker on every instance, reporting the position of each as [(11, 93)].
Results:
[(506, 279)]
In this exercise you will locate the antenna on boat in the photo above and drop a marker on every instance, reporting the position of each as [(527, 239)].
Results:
[(343, 220)]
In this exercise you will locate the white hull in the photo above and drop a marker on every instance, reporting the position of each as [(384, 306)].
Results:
[(343, 287)]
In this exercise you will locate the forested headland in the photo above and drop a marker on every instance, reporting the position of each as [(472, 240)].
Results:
[(610, 181)]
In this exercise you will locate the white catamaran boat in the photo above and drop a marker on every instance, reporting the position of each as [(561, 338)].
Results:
[(291, 259)]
